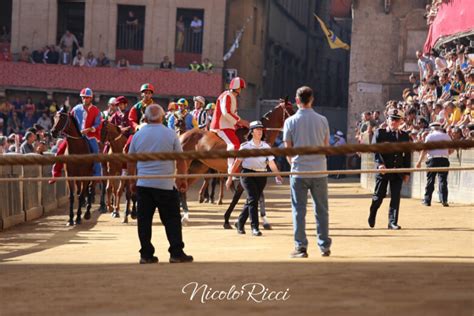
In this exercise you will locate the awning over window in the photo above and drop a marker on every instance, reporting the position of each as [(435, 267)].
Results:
[(455, 19)]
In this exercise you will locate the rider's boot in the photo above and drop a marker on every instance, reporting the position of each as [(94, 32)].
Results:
[(58, 167)]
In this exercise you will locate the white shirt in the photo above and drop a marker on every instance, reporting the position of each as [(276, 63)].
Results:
[(256, 163), (196, 25), (437, 136)]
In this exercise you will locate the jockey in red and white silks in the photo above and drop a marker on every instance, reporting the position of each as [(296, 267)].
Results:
[(225, 118)]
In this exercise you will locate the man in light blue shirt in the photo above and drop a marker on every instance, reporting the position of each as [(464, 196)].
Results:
[(308, 128), (158, 193)]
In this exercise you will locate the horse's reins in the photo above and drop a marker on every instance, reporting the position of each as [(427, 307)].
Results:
[(286, 115), (104, 125)]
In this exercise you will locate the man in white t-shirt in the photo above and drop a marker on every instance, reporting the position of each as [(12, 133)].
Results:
[(436, 158), (196, 25)]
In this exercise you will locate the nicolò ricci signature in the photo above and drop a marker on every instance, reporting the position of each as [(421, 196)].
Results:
[(252, 292)]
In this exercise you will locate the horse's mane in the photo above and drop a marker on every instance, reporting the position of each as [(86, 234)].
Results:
[(65, 109)]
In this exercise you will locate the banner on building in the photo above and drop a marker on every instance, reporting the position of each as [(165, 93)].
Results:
[(333, 41), (453, 20)]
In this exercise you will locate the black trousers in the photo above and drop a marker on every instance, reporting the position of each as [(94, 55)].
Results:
[(237, 190), (254, 187), (167, 202), (380, 192), (442, 179)]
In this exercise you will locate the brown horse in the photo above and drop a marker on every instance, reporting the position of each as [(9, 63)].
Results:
[(180, 128), (66, 125), (201, 140), (113, 135)]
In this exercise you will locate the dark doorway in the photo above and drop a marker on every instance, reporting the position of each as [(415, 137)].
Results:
[(71, 18), (5, 21), (130, 33)]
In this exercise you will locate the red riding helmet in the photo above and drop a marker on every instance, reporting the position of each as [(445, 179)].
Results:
[(121, 99), (237, 83)]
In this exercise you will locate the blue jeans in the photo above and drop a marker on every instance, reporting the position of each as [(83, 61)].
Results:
[(94, 146), (299, 198)]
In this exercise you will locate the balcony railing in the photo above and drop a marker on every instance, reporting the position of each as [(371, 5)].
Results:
[(130, 36), (189, 41)]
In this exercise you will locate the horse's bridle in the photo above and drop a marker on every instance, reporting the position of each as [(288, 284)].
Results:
[(104, 126), (286, 115), (62, 132)]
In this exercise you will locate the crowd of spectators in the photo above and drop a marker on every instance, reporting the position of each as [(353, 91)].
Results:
[(432, 10), (25, 126), (442, 92), (63, 56)]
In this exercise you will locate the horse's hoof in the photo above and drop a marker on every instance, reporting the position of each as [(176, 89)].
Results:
[(78, 221), (201, 200), (115, 214), (227, 225), (87, 215), (133, 215), (185, 219), (220, 202), (125, 220), (267, 226), (70, 223), (102, 210)]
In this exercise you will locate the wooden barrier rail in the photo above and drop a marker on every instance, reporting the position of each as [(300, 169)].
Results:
[(22, 201)]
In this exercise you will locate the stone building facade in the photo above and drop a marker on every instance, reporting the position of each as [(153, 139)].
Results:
[(283, 48), (384, 42), (34, 23)]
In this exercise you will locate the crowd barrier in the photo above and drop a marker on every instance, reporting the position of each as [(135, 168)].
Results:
[(460, 183), (26, 201)]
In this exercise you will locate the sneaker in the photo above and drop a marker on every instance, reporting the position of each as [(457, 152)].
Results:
[(425, 203), (325, 253), (445, 204), (240, 230), (256, 232), (299, 253), (148, 260), (267, 226), (181, 258)]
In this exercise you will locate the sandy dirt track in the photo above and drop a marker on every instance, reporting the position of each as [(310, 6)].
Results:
[(426, 268)]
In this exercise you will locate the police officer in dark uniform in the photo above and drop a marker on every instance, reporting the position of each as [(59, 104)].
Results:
[(391, 134)]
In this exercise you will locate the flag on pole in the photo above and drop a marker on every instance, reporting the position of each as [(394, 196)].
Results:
[(333, 41), (235, 45), (238, 37)]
